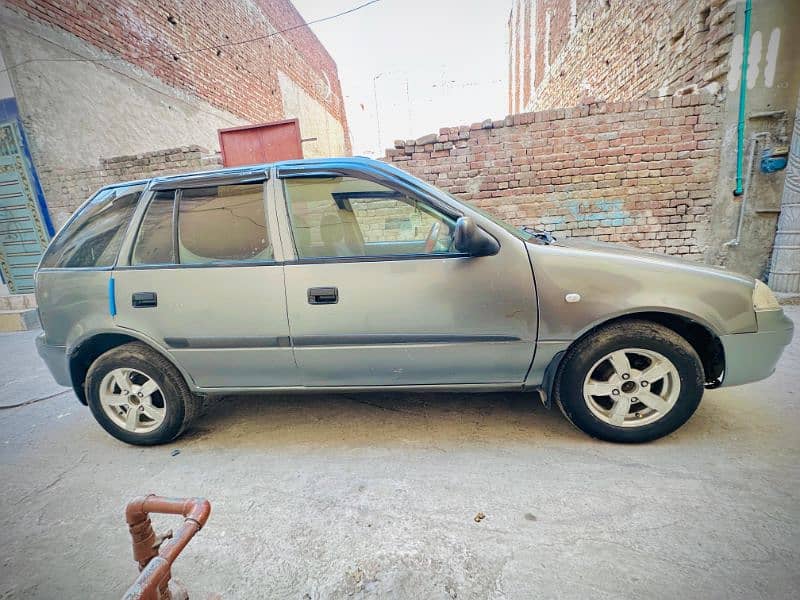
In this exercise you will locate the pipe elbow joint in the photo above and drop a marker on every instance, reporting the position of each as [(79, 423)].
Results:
[(135, 512), (198, 510)]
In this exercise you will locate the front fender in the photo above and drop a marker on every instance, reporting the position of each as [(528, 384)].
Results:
[(613, 283)]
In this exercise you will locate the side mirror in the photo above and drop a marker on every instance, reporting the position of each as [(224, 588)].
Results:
[(473, 240)]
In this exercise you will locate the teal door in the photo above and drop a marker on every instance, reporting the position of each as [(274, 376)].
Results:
[(23, 235)]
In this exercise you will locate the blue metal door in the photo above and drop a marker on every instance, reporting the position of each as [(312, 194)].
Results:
[(23, 234)]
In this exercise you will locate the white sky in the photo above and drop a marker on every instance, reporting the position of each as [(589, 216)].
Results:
[(440, 63)]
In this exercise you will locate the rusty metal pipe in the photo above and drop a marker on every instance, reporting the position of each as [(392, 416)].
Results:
[(148, 586), (196, 509), (155, 560)]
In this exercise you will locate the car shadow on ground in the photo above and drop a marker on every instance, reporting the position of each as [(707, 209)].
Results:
[(357, 418), (425, 420)]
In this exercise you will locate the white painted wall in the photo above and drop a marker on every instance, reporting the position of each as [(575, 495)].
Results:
[(315, 120), (5, 83)]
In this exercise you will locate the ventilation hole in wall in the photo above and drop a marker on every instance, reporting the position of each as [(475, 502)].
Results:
[(175, 57), (172, 20), (219, 52), (608, 3), (677, 35)]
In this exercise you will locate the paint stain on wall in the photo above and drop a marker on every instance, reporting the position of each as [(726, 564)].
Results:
[(595, 213), (754, 60), (772, 57), (607, 213)]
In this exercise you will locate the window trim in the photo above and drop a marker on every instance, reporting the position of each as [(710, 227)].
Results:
[(300, 170), (314, 260), (176, 211), (239, 175), (395, 185), (59, 269)]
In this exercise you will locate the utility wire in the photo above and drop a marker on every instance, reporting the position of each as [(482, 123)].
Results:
[(138, 81), (61, 393), (193, 50)]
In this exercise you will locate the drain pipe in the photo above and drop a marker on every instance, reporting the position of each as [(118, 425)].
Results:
[(748, 177), (742, 100)]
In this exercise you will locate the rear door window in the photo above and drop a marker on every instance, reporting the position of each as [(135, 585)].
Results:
[(223, 223), (92, 238)]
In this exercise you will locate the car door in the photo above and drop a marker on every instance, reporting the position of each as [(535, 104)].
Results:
[(377, 295), (201, 280)]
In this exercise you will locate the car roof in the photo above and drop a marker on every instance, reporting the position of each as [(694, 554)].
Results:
[(354, 161)]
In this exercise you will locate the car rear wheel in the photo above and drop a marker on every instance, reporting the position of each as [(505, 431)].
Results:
[(138, 396), (631, 382)]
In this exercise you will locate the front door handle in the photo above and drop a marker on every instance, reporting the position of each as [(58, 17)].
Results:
[(144, 299), (323, 295)]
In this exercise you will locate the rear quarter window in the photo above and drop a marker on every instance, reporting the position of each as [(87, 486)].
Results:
[(92, 238)]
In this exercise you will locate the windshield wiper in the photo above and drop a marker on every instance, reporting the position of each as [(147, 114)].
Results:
[(539, 234)]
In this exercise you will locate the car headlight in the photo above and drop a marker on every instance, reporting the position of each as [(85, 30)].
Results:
[(763, 298)]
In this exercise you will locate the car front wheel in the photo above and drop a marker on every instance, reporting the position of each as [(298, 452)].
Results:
[(138, 396), (630, 382)]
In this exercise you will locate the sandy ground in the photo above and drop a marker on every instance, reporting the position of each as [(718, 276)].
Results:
[(374, 496)]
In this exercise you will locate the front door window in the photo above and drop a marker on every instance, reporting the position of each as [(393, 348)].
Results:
[(350, 217)]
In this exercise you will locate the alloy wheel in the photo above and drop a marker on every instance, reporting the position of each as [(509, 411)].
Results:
[(132, 400), (631, 387)]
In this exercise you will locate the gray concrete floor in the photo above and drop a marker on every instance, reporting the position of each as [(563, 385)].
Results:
[(373, 496)]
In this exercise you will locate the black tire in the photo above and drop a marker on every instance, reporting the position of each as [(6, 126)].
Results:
[(580, 358), (179, 402)]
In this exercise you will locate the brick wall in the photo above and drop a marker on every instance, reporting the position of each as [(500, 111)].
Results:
[(72, 186), (241, 79), (613, 50), (640, 172)]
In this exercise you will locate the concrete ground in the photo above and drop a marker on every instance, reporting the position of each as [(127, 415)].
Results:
[(374, 496)]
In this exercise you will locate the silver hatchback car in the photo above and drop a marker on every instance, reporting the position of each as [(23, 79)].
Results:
[(350, 274)]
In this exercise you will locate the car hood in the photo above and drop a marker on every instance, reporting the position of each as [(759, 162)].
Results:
[(612, 250)]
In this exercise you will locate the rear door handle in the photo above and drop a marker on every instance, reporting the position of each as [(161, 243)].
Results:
[(323, 295), (144, 299)]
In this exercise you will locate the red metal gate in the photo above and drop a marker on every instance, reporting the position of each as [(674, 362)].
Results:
[(263, 143)]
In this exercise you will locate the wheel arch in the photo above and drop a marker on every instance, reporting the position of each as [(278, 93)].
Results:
[(699, 335), (88, 349)]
